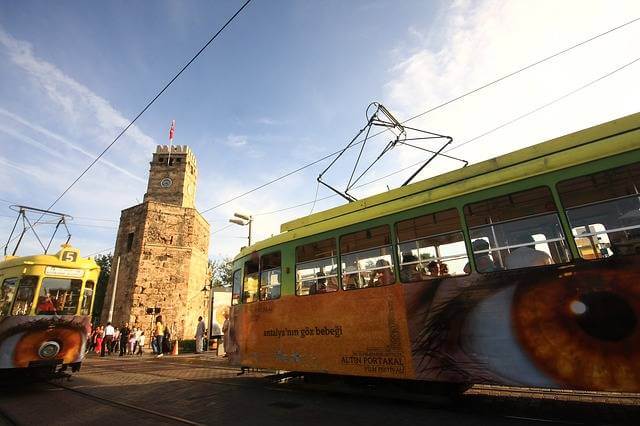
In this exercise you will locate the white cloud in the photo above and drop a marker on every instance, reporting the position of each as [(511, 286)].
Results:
[(236, 141), (56, 137), (482, 41), (79, 105)]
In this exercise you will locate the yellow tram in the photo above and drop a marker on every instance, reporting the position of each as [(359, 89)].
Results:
[(520, 270), (45, 311)]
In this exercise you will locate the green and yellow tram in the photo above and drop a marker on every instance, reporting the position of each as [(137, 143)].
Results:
[(520, 270), (45, 311)]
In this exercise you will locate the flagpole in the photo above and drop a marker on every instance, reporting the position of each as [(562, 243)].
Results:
[(172, 129)]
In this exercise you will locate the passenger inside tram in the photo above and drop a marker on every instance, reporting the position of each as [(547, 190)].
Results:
[(321, 282), (484, 262), (383, 274), (409, 271), (526, 256), (45, 306)]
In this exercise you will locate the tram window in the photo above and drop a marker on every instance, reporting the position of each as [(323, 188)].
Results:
[(87, 296), (515, 231), (7, 292), (317, 268), (24, 295), (250, 282), (270, 276), (366, 258), (431, 246), (604, 211), (58, 296), (237, 287)]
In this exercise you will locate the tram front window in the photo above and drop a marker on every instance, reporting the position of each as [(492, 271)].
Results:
[(24, 295), (58, 296), (250, 283), (86, 298), (604, 211), (270, 276), (7, 292), (237, 287)]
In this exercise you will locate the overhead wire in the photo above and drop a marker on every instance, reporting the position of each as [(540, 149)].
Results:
[(456, 98), (148, 105), (473, 139), (151, 102)]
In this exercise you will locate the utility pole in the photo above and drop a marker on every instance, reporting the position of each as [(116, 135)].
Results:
[(113, 293)]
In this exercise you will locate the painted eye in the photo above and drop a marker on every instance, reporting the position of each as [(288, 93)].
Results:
[(576, 330), (39, 341), (493, 341), (56, 343), (583, 331)]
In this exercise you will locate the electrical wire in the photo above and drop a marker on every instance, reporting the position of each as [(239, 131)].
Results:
[(222, 229), (101, 251), (149, 104), (457, 98), (473, 139)]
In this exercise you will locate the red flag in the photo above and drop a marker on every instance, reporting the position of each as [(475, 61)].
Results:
[(172, 130)]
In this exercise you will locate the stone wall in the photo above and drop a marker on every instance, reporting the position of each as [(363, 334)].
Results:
[(166, 267)]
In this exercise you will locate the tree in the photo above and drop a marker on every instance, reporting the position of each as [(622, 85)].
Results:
[(104, 262), (221, 272)]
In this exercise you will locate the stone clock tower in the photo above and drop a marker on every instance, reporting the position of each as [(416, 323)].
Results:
[(163, 249)]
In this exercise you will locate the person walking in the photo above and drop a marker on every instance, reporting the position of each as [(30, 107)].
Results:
[(200, 330), (131, 344), (109, 331), (225, 332), (159, 335), (99, 339), (140, 343), (137, 335), (124, 338)]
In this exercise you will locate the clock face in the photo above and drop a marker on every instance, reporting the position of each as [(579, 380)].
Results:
[(166, 182)]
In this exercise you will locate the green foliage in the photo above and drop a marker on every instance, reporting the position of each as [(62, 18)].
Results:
[(104, 261), (221, 272)]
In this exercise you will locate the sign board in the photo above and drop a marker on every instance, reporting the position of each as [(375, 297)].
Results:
[(69, 256), (64, 272)]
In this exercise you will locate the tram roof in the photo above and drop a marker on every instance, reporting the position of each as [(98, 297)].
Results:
[(49, 260), (555, 154)]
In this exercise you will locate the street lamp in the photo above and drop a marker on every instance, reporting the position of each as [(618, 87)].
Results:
[(243, 220), (208, 288)]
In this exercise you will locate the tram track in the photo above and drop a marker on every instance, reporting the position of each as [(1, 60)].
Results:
[(131, 407), (531, 404)]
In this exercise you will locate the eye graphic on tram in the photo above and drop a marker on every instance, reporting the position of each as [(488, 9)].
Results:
[(41, 340), (576, 329)]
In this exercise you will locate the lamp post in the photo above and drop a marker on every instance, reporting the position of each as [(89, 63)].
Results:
[(243, 220), (208, 287)]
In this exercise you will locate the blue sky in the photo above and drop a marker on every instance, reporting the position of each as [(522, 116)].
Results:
[(286, 83)]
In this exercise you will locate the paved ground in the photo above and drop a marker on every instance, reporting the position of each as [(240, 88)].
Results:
[(203, 389)]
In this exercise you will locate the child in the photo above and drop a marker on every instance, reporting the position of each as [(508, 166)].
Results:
[(141, 340), (132, 343)]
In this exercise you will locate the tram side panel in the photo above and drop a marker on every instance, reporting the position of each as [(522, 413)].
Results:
[(360, 332), (574, 326)]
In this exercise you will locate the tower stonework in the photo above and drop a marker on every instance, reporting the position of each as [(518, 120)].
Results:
[(163, 247)]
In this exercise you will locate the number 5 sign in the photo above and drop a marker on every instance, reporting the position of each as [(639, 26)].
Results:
[(69, 256)]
